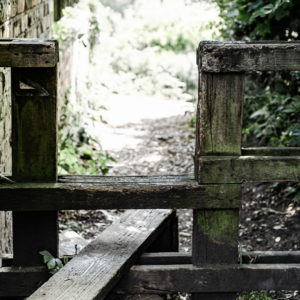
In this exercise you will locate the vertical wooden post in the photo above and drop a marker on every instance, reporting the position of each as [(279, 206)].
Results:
[(34, 159), (168, 240), (219, 132)]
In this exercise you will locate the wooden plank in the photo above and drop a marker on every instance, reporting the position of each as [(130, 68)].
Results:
[(238, 57), (180, 258), (34, 159), (99, 266), (28, 53), (65, 196), (271, 151), (239, 169), (185, 258), (209, 279), (16, 281)]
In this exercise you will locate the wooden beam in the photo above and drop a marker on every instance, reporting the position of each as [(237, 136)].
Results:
[(168, 240), (239, 169), (240, 57), (219, 133), (100, 265), (34, 159), (255, 257), (185, 258), (271, 151), (220, 108), (16, 281), (28, 53), (133, 193), (209, 279)]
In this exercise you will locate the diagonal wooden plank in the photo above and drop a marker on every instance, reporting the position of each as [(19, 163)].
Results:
[(101, 264)]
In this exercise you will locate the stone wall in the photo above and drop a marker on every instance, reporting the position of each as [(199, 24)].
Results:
[(18, 19)]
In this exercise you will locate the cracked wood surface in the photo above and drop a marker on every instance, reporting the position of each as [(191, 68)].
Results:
[(104, 192), (101, 264), (219, 57), (239, 169)]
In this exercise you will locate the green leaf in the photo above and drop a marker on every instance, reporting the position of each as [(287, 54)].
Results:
[(66, 260), (91, 162), (47, 256), (86, 151), (53, 271), (79, 169), (51, 264), (102, 162), (59, 263), (93, 170), (104, 171), (80, 35)]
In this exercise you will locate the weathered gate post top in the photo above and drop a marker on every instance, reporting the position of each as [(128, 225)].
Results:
[(29, 53)]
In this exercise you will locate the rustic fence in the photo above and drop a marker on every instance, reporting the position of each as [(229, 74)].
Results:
[(101, 270)]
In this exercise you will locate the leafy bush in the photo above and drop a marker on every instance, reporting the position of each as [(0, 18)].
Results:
[(273, 118)]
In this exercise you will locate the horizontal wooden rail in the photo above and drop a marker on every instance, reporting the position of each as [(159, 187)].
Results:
[(28, 53), (260, 257), (271, 151), (239, 169), (219, 57), (22, 281), (206, 279), (104, 192)]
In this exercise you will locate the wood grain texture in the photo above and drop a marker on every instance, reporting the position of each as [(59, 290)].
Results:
[(28, 53), (132, 194), (238, 57), (100, 265), (34, 128), (271, 151), (241, 169), (220, 114), (209, 279)]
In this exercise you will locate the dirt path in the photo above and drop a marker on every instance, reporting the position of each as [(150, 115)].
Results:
[(148, 137)]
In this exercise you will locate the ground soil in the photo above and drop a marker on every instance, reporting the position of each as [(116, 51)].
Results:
[(269, 220)]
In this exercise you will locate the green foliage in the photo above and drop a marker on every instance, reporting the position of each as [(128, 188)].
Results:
[(53, 264), (256, 296), (76, 154), (260, 19), (274, 119)]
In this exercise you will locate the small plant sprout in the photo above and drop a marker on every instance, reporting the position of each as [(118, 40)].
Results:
[(53, 264)]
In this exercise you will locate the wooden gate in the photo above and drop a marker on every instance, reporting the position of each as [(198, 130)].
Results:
[(214, 192)]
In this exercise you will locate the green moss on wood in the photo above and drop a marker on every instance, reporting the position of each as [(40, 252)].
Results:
[(219, 225)]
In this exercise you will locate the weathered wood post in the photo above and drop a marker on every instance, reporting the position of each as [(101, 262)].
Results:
[(34, 144), (219, 132)]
